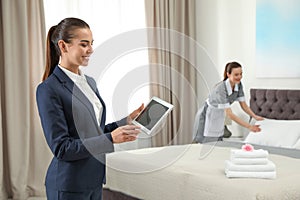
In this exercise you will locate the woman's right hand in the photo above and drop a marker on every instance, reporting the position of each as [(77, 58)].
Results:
[(254, 128), (125, 133)]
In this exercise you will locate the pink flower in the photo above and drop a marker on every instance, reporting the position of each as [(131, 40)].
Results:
[(247, 147)]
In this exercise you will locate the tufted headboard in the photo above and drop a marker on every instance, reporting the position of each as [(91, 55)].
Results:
[(276, 104)]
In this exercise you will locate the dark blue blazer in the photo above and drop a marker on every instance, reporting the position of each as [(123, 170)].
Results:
[(73, 135)]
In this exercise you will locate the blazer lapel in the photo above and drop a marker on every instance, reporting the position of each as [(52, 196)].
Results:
[(75, 91), (94, 88)]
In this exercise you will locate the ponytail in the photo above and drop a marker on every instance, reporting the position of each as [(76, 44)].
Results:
[(63, 31), (52, 54), (225, 72), (229, 67)]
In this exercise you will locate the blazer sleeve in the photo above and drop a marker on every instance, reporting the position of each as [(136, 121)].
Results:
[(64, 144), (112, 126)]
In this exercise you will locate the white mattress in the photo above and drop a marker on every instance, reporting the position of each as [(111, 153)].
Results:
[(178, 172)]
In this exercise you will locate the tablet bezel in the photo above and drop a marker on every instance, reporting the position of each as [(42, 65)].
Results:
[(161, 102)]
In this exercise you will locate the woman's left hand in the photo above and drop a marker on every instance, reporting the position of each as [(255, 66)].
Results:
[(134, 114), (258, 118)]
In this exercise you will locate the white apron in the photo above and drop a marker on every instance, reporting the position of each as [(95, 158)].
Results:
[(214, 123)]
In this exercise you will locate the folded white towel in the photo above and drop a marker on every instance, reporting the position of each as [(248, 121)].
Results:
[(266, 175), (250, 161), (269, 167), (239, 153)]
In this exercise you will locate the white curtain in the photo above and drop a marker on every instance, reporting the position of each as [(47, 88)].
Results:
[(25, 155)]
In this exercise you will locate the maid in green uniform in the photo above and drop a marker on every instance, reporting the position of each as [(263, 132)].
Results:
[(209, 120)]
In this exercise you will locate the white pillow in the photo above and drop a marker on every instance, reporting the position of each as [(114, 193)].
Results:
[(278, 133)]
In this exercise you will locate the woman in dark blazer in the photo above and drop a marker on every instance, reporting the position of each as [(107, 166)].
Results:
[(72, 115)]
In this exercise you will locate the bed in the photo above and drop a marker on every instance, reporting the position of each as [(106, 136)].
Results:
[(196, 171)]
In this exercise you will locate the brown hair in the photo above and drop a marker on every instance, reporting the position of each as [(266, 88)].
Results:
[(63, 31), (229, 67)]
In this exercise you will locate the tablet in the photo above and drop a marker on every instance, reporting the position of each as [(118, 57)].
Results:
[(153, 115)]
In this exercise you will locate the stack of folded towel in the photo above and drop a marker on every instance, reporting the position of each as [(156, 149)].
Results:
[(250, 164)]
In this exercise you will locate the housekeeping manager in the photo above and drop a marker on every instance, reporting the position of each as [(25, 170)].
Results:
[(72, 115)]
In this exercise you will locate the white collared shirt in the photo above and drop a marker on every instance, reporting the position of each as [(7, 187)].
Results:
[(241, 96), (82, 84), (228, 87)]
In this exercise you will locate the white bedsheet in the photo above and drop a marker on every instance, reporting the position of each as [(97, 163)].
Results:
[(176, 172)]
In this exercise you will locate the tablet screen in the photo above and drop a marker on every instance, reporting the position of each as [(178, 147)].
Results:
[(153, 113)]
